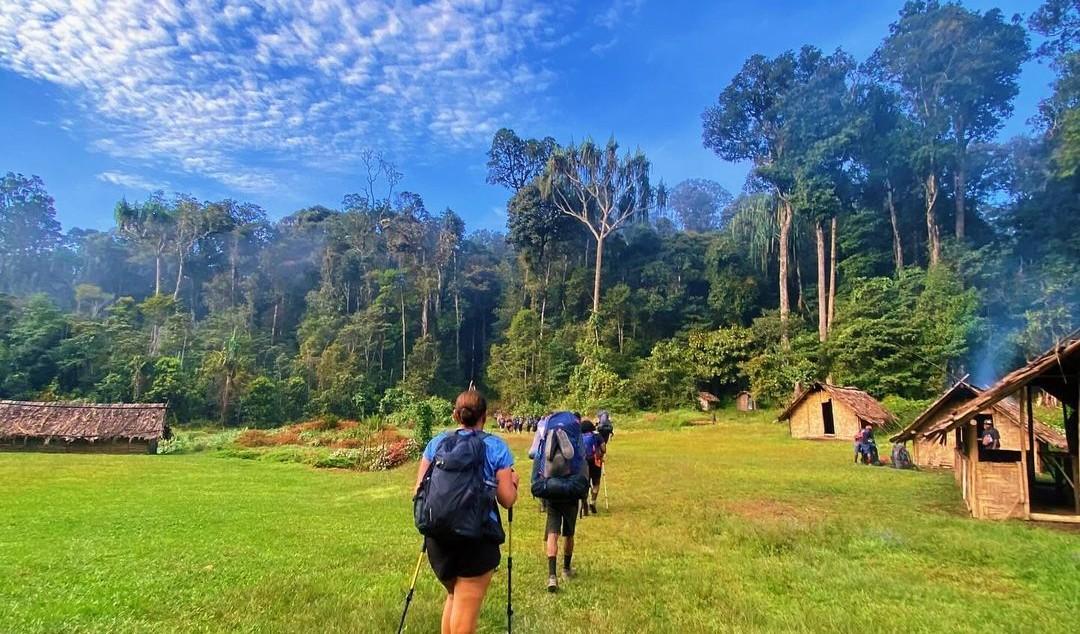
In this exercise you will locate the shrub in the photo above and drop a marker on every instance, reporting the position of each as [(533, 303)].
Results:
[(261, 405)]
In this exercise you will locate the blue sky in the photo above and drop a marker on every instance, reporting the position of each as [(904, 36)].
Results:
[(273, 102)]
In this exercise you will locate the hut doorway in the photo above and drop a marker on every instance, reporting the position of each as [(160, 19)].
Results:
[(827, 418)]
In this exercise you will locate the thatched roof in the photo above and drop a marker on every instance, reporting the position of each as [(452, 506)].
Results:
[(960, 395), (707, 397), (865, 407), (1055, 371), (82, 421)]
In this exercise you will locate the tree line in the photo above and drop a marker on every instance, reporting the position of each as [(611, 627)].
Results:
[(606, 289)]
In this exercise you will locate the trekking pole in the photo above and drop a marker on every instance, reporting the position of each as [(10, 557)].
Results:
[(603, 473), (412, 587), (509, 569)]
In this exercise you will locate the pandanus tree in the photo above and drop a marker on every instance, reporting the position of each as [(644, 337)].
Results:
[(600, 189)]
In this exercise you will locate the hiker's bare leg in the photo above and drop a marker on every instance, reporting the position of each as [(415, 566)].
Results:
[(552, 544), (568, 548), (468, 597), (448, 606)]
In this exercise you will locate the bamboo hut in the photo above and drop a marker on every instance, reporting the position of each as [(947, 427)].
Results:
[(744, 402), (828, 411), (81, 427), (940, 452), (1007, 483), (707, 401)]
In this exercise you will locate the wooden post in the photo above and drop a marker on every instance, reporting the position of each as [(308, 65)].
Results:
[(1026, 443), (1075, 460)]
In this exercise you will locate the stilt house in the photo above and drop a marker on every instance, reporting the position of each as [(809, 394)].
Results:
[(1020, 483), (939, 452), (829, 411), (81, 427)]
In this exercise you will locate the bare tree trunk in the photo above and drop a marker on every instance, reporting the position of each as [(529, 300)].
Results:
[(596, 276), (832, 272), (822, 284), (157, 273), (960, 180), (403, 334), (225, 397), (785, 237), (898, 250), (179, 278), (273, 324), (543, 298), (933, 233), (424, 315), (457, 331)]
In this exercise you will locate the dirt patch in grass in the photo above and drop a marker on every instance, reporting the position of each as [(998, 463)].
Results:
[(773, 512)]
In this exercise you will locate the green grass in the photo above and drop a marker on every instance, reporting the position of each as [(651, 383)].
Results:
[(728, 527)]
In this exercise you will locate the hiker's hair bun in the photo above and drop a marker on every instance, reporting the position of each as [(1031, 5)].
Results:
[(470, 408)]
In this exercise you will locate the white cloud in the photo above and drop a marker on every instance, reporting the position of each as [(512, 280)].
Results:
[(132, 181), (244, 92)]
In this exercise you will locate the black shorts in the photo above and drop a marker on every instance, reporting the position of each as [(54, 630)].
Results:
[(464, 558), (595, 471), (561, 518)]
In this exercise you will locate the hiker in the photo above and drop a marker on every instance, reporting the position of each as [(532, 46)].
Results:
[(464, 564), (868, 446), (595, 448), (858, 445), (991, 437), (560, 478), (604, 426)]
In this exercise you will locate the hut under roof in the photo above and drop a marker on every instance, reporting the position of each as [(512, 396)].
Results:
[(707, 401), (1004, 483), (82, 427), (744, 402), (939, 452), (830, 411)]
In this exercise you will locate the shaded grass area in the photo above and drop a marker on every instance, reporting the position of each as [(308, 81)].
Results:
[(727, 527)]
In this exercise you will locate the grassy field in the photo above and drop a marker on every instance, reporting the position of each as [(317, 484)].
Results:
[(732, 527)]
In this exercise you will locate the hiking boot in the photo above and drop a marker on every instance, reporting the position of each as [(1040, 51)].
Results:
[(553, 583), (569, 573), (592, 508)]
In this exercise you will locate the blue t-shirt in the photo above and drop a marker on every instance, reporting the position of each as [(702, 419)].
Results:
[(498, 457), (591, 440)]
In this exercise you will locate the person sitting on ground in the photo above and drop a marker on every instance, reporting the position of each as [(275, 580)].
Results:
[(991, 437), (595, 448), (465, 567)]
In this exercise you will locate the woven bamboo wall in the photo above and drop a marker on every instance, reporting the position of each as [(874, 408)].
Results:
[(806, 420)]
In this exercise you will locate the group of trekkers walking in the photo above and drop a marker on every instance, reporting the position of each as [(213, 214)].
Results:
[(466, 473)]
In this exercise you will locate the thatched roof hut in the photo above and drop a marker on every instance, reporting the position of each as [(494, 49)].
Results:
[(829, 411), (707, 401), (1002, 483), (940, 451), (122, 428)]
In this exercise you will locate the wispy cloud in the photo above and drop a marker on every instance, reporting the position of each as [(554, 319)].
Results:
[(132, 181), (244, 91)]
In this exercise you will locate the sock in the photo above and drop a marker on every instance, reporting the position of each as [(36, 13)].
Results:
[(566, 561), (551, 566)]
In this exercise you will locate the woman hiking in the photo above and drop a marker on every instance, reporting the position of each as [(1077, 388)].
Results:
[(465, 565)]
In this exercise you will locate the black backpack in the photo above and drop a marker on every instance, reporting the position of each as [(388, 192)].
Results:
[(454, 501)]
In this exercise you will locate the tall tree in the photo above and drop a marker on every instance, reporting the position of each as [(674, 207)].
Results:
[(599, 189), (29, 232), (149, 226), (698, 204), (514, 162), (957, 71), (757, 119)]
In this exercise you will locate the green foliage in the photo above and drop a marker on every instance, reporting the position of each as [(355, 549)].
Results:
[(903, 336), (262, 405), (715, 356), (664, 380)]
